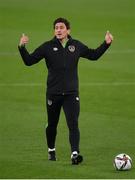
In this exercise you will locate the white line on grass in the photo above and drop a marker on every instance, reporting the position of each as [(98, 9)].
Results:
[(81, 84), (20, 84), (108, 84), (127, 51), (9, 53)]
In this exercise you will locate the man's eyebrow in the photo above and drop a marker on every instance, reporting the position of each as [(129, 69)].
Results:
[(59, 26)]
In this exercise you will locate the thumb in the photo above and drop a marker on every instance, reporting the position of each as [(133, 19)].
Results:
[(23, 34)]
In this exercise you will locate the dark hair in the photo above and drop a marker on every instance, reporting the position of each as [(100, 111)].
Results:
[(62, 20)]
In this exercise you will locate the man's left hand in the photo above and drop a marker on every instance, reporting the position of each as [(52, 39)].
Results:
[(108, 37)]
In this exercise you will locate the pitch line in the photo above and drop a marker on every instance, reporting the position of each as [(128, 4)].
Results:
[(108, 84), (9, 53), (21, 84), (81, 84), (127, 51)]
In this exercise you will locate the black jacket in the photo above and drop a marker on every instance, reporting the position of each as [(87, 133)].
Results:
[(62, 62)]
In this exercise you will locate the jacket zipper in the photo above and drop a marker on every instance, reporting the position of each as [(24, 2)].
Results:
[(64, 70)]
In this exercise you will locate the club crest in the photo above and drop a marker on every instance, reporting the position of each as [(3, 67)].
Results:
[(49, 102), (71, 48)]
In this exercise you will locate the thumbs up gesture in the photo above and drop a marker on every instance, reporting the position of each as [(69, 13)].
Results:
[(23, 40), (108, 37)]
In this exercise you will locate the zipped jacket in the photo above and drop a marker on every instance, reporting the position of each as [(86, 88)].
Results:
[(62, 62)]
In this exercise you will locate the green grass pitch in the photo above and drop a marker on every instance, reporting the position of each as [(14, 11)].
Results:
[(107, 90)]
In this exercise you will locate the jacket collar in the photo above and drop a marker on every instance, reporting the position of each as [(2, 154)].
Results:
[(56, 40)]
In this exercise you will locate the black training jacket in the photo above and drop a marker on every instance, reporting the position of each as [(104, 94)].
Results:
[(62, 62)]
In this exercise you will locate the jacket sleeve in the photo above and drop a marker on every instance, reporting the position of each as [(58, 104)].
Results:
[(33, 58), (93, 54)]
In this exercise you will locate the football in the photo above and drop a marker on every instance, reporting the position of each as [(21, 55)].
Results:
[(122, 162)]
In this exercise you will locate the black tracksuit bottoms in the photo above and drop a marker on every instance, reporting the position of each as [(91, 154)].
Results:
[(71, 106)]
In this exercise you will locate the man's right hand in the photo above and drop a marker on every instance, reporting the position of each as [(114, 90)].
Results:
[(23, 40)]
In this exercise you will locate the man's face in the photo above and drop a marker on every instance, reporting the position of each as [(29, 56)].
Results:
[(61, 31)]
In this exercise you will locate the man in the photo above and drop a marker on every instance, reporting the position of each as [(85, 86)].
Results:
[(61, 55)]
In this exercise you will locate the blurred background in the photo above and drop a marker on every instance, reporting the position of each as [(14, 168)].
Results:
[(107, 89)]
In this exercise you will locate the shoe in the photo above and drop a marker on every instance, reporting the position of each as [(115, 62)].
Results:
[(76, 159), (52, 155)]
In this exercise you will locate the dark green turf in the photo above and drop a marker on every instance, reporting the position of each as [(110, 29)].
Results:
[(107, 90)]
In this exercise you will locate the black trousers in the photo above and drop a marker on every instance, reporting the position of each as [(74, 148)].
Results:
[(71, 107)]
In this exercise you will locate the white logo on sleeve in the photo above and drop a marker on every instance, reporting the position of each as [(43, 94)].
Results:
[(49, 102)]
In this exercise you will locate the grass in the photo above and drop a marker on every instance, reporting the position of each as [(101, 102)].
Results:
[(107, 90)]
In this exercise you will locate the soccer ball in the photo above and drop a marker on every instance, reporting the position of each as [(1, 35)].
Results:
[(122, 162)]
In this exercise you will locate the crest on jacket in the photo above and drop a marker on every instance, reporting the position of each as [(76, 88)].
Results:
[(71, 48), (49, 102)]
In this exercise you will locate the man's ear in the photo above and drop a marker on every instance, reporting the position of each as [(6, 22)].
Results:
[(68, 31)]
